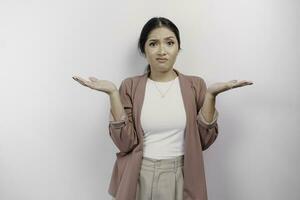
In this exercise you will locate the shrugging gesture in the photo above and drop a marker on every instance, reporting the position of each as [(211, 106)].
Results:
[(217, 88), (95, 84), (208, 109)]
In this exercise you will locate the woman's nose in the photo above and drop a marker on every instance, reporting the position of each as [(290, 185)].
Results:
[(161, 50)]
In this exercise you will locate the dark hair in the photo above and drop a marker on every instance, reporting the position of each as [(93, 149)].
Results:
[(153, 23)]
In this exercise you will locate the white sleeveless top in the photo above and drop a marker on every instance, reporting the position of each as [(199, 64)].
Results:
[(163, 120)]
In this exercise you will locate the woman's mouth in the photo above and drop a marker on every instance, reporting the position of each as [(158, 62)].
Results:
[(162, 60)]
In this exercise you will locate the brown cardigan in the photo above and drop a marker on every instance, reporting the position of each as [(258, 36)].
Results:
[(127, 135)]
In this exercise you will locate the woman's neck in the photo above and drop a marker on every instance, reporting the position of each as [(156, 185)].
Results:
[(163, 77)]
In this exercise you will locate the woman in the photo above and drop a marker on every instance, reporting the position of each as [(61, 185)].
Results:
[(161, 122)]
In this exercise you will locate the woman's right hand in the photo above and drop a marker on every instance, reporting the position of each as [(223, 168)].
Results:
[(95, 84)]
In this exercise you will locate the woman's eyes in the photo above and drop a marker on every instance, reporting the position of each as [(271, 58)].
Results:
[(170, 43)]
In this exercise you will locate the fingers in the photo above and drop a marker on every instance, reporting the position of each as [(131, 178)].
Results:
[(243, 83), (93, 79), (78, 79), (233, 81), (231, 84), (81, 81), (235, 84)]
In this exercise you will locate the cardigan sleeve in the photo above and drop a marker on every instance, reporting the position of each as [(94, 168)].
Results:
[(208, 131), (122, 131)]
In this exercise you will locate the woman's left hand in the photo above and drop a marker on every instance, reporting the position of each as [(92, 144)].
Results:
[(217, 88)]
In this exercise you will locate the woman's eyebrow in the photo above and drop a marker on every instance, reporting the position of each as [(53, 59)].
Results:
[(165, 38)]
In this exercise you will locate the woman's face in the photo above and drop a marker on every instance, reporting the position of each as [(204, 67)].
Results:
[(161, 43)]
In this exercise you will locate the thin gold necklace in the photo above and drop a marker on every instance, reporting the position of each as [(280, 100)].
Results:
[(162, 95)]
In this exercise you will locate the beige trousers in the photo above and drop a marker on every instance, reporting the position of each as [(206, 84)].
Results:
[(161, 179)]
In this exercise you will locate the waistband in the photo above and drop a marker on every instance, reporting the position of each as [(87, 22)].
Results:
[(171, 163)]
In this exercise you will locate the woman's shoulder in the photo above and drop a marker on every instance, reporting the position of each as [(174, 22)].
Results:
[(192, 77), (131, 80), (195, 79)]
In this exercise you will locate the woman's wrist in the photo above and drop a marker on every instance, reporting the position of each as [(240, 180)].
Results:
[(210, 95), (113, 92)]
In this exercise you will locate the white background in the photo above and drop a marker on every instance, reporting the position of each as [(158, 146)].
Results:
[(54, 140)]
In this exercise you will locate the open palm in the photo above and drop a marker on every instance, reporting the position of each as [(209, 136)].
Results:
[(217, 88), (95, 84)]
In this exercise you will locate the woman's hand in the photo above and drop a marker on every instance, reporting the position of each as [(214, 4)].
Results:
[(217, 88), (95, 84)]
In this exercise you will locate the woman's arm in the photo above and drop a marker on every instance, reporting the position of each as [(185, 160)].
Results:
[(207, 125), (209, 130), (208, 109), (121, 127), (117, 110)]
